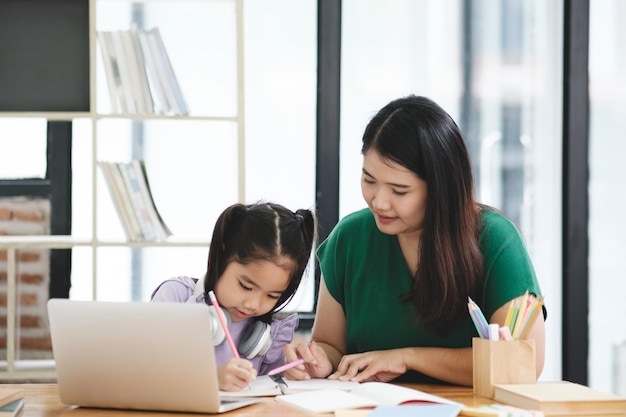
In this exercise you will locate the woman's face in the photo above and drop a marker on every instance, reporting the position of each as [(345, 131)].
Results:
[(395, 195), (251, 290)]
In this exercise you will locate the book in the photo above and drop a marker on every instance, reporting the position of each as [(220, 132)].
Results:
[(128, 98), (165, 72), (559, 398), (421, 410), (135, 68), (12, 409), (140, 208), (159, 226), (121, 200), (139, 73), (142, 71), (9, 395), (159, 101), (366, 394), (110, 69), (130, 191), (264, 386), (134, 233)]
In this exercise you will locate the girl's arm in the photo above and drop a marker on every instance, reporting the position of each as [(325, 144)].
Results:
[(236, 374)]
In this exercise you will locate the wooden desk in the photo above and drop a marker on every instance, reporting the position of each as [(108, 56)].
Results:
[(42, 400)]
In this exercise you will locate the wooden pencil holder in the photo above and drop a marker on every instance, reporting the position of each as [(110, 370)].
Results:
[(502, 362)]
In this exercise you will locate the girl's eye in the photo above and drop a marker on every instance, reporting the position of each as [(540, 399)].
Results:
[(400, 193), (245, 287), (368, 181), (273, 297)]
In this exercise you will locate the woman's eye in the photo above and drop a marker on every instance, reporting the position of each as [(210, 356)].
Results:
[(368, 181), (273, 297), (399, 192)]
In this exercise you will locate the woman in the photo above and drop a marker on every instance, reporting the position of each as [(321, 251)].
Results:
[(396, 277)]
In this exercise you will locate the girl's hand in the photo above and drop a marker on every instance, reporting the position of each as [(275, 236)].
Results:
[(317, 364), (236, 374), (382, 365)]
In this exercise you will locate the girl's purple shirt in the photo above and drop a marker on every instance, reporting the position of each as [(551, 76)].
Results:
[(181, 290)]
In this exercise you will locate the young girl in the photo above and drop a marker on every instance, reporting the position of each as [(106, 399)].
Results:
[(257, 257)]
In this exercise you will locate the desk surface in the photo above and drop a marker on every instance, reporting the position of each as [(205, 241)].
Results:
[(42, 400)]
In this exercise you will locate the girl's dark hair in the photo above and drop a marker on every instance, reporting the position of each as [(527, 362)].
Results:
[(262, 232), (418, 134)]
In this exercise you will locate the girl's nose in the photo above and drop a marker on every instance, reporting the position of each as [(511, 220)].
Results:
[(252, 302)]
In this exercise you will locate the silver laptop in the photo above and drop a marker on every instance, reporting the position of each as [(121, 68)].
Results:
[(134, 355)]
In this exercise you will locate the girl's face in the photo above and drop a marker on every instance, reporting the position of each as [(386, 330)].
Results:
[(394, 194), (252, 289)]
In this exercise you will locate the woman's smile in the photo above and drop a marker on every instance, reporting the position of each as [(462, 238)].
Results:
[(384, 219)]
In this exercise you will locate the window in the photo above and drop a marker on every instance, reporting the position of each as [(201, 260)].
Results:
[(496, 68), (607, 265)]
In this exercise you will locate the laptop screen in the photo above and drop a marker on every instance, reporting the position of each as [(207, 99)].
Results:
[(133, 355)]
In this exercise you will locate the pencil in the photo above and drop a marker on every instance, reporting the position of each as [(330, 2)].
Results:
[(505, 333), (531, 319), (220, 316), (525, 314), (285, 367), (515, 330), (481, 412), (514, 313), (481, 327), (509, 314)]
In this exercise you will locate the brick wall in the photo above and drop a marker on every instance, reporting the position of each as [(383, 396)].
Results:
[(21, 216)]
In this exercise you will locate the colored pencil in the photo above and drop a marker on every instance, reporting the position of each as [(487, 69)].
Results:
[(222, 319)]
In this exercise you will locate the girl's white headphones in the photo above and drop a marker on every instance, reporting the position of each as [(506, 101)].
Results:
[(256, 339)]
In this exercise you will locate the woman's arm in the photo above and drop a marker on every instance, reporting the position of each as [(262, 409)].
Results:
[(450, 365), (445, 364), (537, 333), (455, 365), (329, 328), (327, 346)]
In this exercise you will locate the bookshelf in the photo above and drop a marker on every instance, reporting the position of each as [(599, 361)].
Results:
[(87, 104)]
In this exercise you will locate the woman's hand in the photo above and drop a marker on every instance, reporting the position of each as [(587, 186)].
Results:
[(381, 365), (317, 364), (236, 374)]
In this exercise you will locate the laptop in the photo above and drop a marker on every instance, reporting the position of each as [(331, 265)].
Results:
[(137, 356)]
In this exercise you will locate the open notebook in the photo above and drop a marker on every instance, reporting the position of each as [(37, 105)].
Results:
[(133, 355)]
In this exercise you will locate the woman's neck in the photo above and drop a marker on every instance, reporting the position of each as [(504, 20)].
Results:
[(410, 244)]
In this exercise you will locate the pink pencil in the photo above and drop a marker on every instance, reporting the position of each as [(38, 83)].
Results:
[(220, 316), (285, 367)]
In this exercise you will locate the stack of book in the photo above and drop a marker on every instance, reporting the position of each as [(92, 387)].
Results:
[(132, 198), (11, 402), (560, 398), (139, 73)]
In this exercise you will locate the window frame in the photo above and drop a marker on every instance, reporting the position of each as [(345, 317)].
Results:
[(56, 186)]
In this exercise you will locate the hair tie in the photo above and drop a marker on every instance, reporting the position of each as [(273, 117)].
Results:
[(299, 217)]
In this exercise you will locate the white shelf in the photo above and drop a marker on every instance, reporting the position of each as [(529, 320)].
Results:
[(145, 117), (67, 242), (53, 116), (14, 368), (46, 241)]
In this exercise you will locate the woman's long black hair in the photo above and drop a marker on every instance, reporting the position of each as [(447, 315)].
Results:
[(418, 134)]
